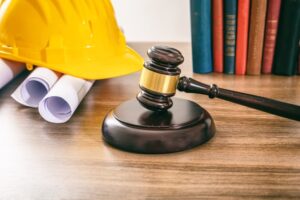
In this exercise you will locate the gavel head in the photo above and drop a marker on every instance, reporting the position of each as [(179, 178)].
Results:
[(159, 78)]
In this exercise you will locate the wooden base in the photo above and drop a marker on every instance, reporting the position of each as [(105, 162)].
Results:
[(133, 128)]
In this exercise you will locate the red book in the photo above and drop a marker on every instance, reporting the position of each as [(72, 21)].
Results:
[(218, 54), (270, 35), (242, 36)]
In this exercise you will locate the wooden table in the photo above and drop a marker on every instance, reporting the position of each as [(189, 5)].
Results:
[(253, 154)]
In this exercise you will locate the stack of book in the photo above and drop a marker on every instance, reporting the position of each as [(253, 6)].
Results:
[(246, 36)]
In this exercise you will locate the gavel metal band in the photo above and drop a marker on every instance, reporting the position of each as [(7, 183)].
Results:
[(159, 83)]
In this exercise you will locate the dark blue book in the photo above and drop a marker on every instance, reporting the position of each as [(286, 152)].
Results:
[(201, 35), (230, 24)]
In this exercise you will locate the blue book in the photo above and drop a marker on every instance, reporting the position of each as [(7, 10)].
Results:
[(201, 35), (230, 26)]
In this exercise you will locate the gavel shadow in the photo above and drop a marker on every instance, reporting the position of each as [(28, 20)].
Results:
[(156, 119)]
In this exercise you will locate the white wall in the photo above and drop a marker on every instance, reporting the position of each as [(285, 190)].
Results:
[(154, 20)]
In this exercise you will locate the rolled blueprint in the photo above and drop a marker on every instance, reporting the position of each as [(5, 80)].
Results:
[(35, 87), (9, 70), (60, 103)]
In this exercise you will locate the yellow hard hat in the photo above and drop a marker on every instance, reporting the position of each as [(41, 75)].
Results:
[(76, 37)]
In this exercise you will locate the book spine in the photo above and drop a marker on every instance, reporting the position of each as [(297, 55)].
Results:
[(286, 50), (256, 36), (242, 36), (273, 12), (218, 51), (201, 35), (230, 11)]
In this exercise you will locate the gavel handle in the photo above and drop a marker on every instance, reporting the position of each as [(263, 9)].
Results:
[(260, 103)]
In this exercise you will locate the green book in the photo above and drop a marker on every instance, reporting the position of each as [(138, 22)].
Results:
[(286, 51)]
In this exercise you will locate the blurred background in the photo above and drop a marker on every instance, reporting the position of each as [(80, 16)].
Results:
[(154, 20)]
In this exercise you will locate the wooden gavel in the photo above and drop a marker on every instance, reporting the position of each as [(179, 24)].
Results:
[(161, 77)]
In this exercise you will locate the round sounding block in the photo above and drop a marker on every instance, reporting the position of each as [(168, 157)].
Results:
[(133, 128)]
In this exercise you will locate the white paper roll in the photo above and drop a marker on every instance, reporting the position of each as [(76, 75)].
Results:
[(60, 103), (35, 87), (9, 70)]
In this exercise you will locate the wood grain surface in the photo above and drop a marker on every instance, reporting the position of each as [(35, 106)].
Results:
[(253, 155)]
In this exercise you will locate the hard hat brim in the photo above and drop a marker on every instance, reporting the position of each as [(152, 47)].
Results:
[(129, 62)]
